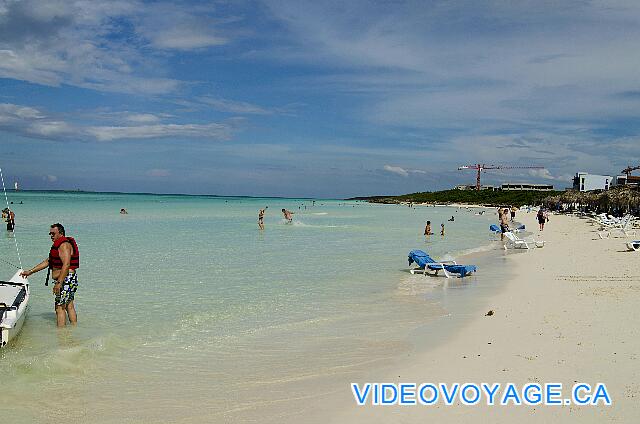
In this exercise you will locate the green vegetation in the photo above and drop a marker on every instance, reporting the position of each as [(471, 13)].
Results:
[(482, 197)]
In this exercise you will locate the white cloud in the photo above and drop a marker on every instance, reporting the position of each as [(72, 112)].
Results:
[(110, 133), (225, 105), (10, 112), (459, 68), (402, 171), (142, 118), (34, 122), (546, 174), (173, 27), (396, 170), (50, 128), (109, 46)]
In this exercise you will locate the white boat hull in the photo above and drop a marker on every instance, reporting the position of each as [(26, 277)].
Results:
[(14, 303)]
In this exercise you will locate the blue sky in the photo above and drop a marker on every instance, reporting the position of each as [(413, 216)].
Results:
[(314, 98)]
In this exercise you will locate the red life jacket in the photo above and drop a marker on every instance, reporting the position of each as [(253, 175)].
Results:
[(54, 256)]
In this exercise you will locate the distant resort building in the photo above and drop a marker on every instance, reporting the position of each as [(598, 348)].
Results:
[(584, 181), (526, 186), (631, 180), (473, 187)]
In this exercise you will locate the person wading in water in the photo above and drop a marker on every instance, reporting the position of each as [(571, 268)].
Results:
[(64, 260)]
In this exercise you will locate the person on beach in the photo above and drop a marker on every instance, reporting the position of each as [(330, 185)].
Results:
[(64, 260), (541, 218), (442, 230), (288, 215), (261, 217), (513, 213), (504, 222), (427, 229), (10, 217), (451, 219)]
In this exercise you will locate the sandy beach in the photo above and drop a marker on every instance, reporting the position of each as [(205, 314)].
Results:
[(565, 317)]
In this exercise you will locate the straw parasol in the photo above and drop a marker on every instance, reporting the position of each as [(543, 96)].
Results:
[(623, 199)]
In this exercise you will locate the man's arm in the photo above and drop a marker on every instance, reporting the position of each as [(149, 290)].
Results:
[(42, 265)]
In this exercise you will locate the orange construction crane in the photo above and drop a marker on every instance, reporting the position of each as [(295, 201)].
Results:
[(482, 167), (628, 170)]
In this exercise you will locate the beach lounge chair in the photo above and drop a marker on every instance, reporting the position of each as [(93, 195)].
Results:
[(521, 243), (497, 231), (427, 263), (622, 229), (634, 245)]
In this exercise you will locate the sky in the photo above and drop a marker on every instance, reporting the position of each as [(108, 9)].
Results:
[(302, 98)]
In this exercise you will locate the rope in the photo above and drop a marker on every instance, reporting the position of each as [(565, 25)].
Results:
[(15, 239)]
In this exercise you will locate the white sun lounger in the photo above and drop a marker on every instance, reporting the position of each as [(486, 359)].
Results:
[(623, 229), (521, 243)]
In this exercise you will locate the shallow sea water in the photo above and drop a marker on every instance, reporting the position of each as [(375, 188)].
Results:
[(189, 313)]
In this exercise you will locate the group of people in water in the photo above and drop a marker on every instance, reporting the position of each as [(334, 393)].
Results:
[(428, 232), (505, 216), (288, 215)]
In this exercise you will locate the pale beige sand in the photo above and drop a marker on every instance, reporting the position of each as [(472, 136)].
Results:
[(572, 314)]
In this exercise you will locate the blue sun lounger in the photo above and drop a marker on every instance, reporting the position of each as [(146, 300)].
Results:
[(496, 229), (426, 262)]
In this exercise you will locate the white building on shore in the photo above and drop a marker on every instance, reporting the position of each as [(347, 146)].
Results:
[(584, 181)]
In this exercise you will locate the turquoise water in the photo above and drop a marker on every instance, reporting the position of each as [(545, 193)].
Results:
[(187, 312)]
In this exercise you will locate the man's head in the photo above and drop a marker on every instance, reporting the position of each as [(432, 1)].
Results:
[(56, 231)]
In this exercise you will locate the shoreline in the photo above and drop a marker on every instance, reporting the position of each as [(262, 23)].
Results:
[(457, 297), (563, 316)]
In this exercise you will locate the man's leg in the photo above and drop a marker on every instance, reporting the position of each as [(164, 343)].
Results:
[(71, 311), (61, 316)]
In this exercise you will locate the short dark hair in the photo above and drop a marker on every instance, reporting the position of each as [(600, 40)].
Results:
[(59, 226)]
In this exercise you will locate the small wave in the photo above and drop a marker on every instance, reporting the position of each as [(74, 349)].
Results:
[(301, 224), (479, 249)]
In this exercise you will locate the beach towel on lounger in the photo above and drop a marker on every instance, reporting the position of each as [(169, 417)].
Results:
[(423, 260)]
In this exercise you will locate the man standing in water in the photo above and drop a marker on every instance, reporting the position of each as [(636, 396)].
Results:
[(288, 215), (10, 218), (261, 217), (427, 229), (504, 222), (64, 260)]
